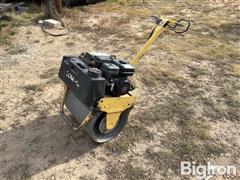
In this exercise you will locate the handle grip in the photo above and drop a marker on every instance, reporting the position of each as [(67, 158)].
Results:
[(174, 24), (179, 23)]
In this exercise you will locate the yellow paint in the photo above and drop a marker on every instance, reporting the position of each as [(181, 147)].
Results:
[(114, 106), (112, 119), (158, 30)]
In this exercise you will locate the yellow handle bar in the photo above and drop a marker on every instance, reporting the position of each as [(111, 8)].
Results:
[(161, 24)]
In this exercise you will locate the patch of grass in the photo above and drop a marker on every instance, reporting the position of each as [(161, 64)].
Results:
[(157, 73), (230, 30), (161, 160), (175, 109), (190, 140), (53, 80), (182, 147), (77, 21), (140, 8), (195, 72), (232, 99), (87, 177), (36, 41), (17, 49), (32, 88), (9, 25), (187, 147), (2, 117), (127, 171), (74, 18), (6, 34), (113, 25), (49, 73), (219, 49), (195, 129), (69, 44), (30, 15), (211, 109), (41, 86), (129, 137), (57, 101), (236, 69)]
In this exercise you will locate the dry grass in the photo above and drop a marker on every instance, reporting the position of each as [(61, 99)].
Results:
[(236, 69), (188, 84), (102, 26), (132, 8), (128, 171), (113, 25), (11, 21), (52, 72), (52, 80), (207, 52), (6, 33), (157, 72)]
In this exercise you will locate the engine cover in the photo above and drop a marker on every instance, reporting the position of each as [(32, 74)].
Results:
[(93, 76), (86, 82)]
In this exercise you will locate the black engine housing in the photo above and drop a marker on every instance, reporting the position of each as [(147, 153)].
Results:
[(115, 71), (92, 76)]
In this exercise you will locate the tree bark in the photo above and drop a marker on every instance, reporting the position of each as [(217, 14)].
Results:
[(50, 10), (58, 4)]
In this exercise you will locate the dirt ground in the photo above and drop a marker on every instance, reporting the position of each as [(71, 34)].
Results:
[(188, 89)]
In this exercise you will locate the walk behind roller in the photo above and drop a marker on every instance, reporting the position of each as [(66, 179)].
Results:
[(97, 89)]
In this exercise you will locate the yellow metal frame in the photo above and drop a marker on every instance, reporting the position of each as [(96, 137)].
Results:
[(114, 106), (158, 29)]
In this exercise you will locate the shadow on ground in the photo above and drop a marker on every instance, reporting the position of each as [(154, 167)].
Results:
[(40, 145)]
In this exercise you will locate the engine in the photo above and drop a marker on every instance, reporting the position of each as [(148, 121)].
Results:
[(92, 76), (115, 71)]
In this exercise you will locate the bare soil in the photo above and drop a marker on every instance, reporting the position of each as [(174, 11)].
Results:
[(188, 89)]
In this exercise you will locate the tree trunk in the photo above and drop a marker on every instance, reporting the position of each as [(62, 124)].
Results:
[(58, 4), (50, 10)]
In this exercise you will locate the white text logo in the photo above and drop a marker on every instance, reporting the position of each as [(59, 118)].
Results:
[(203, 171)]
